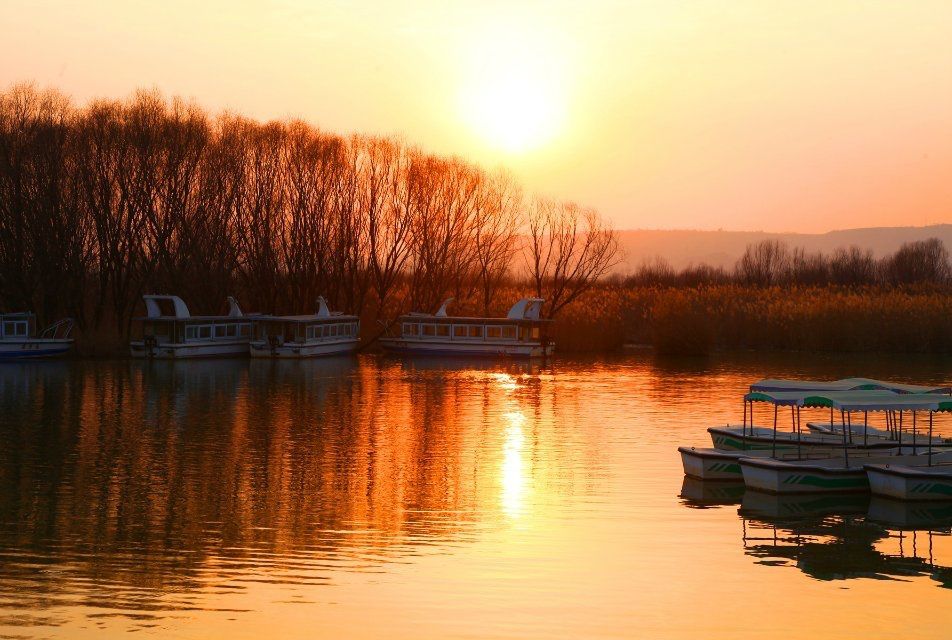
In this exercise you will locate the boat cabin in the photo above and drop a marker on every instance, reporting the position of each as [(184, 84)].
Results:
[(322, 333), (169, 330), (19, 337), (521, 333), (17, 326)]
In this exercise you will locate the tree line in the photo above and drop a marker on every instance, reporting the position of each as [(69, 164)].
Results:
[(104, 202), (772, 262)]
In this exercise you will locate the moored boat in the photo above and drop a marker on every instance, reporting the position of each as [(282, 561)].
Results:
[(847, 471), (705, 463), (823, 436), (919, 480), (169, 331), (324, 333), (19, 339), (523, 333)]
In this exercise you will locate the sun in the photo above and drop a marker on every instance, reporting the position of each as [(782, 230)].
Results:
[(513, 96)]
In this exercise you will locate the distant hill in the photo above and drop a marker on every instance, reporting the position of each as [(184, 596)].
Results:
[(723, 248)]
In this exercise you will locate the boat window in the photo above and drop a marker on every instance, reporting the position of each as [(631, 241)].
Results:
[(475, 331), (205, 331), (333, 329), (442, 330), (221, 331), (535, 333), (232, 330), (509, 332), (410, 329), (14, 328), (191, 333), (459, 330), (429, 330), (244, 330), (310, 332), (493, 332)]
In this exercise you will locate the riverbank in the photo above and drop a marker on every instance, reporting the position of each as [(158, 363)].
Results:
[(702, 320)]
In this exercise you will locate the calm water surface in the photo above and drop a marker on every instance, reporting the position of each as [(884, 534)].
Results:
[(371, 497)]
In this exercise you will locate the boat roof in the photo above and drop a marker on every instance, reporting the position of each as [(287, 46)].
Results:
[(845, 384), (526, 309), (780, 398), (181, 312), (308, 318), (16, 314), (862, 400), (879, 401), (426, 317)]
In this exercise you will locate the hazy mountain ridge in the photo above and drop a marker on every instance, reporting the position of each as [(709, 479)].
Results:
[(682, 248)]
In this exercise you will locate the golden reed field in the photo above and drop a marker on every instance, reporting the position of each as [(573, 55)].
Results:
[(699, 320)]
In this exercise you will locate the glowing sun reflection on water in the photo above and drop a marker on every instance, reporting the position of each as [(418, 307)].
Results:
[(513, 470)]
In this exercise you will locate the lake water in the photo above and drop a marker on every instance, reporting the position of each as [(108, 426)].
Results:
[(374, 497)]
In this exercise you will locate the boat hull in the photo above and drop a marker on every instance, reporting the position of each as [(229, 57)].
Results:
[(33, 348), (910, 483), (780, 477), (181, 351), (451, 348), (733, 439), (261, 349), (705, 463)]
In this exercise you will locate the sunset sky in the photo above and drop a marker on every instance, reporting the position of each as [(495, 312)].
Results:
[(762, 115)]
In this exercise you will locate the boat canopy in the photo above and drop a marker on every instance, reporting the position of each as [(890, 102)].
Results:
[(180, 309), (844, 385), (863, 400), (879, 401), (779, 398), (526, 309), (153, 310)]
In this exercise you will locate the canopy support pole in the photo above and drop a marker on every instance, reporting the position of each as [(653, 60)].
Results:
[(846, 457), (865, 426), (914, 451), (799, 434), (930, 438), (900, 428), (744, 428), (773, 452)]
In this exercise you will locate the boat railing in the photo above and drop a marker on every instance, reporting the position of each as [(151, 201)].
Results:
[(59, 330)]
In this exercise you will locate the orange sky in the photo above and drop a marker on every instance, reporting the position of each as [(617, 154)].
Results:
[(781, 116)]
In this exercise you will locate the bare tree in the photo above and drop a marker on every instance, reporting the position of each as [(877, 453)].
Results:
[(496, 221), (569, 249), (923, 261), (852, 266), (764, 263)]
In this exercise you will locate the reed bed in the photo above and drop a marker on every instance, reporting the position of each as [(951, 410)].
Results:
[(695, 321)]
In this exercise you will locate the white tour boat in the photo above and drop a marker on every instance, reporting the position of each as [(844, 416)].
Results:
[(19, 339), (169, 331), (521, 334), (324, 333)]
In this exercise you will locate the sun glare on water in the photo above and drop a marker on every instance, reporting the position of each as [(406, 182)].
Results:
[(513, 96)]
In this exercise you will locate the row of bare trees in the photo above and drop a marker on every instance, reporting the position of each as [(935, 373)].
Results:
[(102, 203), (771, 262)]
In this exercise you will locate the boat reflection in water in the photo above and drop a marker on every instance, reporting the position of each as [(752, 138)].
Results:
[(837, 537)]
